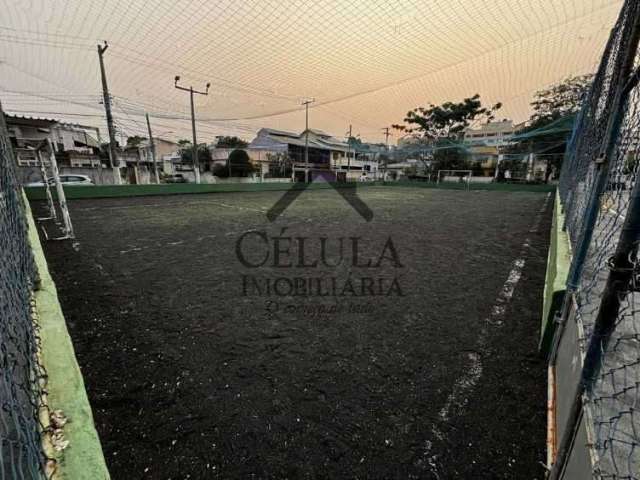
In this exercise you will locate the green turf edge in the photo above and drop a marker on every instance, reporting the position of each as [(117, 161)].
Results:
[(494, 187), (558, 263), (83, 458), (111, 191)]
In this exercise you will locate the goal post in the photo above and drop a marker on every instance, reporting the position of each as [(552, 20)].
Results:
[(67, 226), (460, 174), (45, 181)]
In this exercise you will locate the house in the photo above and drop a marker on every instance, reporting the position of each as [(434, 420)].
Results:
[(138, 159), (484, 159), (142, 154), (74, 145), (496, 134), (219, 156), (328, 157), (484, 144), (163, 148)]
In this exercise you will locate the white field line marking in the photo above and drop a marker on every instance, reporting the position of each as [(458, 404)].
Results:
[(469, 379), (463, 386)]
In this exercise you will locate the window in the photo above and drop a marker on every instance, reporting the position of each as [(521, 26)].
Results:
[(27, 159)]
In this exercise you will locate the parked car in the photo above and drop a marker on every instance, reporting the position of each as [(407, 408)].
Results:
[(177, 178), (70, 180)]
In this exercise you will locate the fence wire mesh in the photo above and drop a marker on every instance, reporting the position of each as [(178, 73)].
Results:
[(599, 189), (21, 376)]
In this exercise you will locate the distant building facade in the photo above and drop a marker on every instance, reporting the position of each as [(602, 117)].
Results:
[(492, 134), (485, 143), (328, 157), (142, 155), (74, 145)]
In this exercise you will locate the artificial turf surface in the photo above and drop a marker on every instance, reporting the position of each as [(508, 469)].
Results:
[(199, 366)]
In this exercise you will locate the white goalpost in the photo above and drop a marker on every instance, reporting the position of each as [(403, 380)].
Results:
[(465, 177), (45, 181), (67, 227)]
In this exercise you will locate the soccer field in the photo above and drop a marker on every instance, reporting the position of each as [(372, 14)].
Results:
[(217, 344)]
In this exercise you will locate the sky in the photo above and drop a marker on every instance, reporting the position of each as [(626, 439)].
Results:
[(365, 63)]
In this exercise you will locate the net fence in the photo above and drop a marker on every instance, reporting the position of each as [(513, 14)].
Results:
[(21, 376), (599, 190)]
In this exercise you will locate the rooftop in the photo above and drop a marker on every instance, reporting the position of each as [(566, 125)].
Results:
[(41, 122), (492, 127)]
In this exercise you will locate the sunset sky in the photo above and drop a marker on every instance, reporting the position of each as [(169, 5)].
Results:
[(365, 62)]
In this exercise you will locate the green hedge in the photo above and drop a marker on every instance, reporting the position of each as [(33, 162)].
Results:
[(500, 187)]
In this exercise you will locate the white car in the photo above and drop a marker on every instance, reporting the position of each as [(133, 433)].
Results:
[(71, 180)]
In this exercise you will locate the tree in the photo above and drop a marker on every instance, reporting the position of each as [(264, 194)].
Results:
[(560, 100), (447, 121), (354, 142), (135, 141), (230, 142), (383, 159), (239, 164), (220, 171), (443, 126), (551, 122), (186, 153), (104, 150), (280, 164)]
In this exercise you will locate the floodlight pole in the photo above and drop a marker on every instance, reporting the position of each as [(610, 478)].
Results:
[(306, 139), (196, 163)]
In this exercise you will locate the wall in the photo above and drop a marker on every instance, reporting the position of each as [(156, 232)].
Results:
[(83, 459), (99, 176), (474, 179), (558, 262)]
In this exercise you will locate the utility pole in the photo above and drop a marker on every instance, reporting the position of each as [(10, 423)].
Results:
[(306, 139), (106, 99), (196, 163), (386, 142), (153, 150), (386, 136), (349, 153)]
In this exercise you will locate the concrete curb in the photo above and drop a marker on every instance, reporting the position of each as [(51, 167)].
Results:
[(83, 458), (558, 263)]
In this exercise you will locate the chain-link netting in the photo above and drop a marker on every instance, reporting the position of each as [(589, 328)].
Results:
[(600, 192), (21, 376)]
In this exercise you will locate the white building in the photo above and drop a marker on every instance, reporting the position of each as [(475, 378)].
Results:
[(492, 134), (328, 156), (74, 145)]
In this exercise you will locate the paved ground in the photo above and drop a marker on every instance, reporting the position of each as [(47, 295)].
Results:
[(421, 364)]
